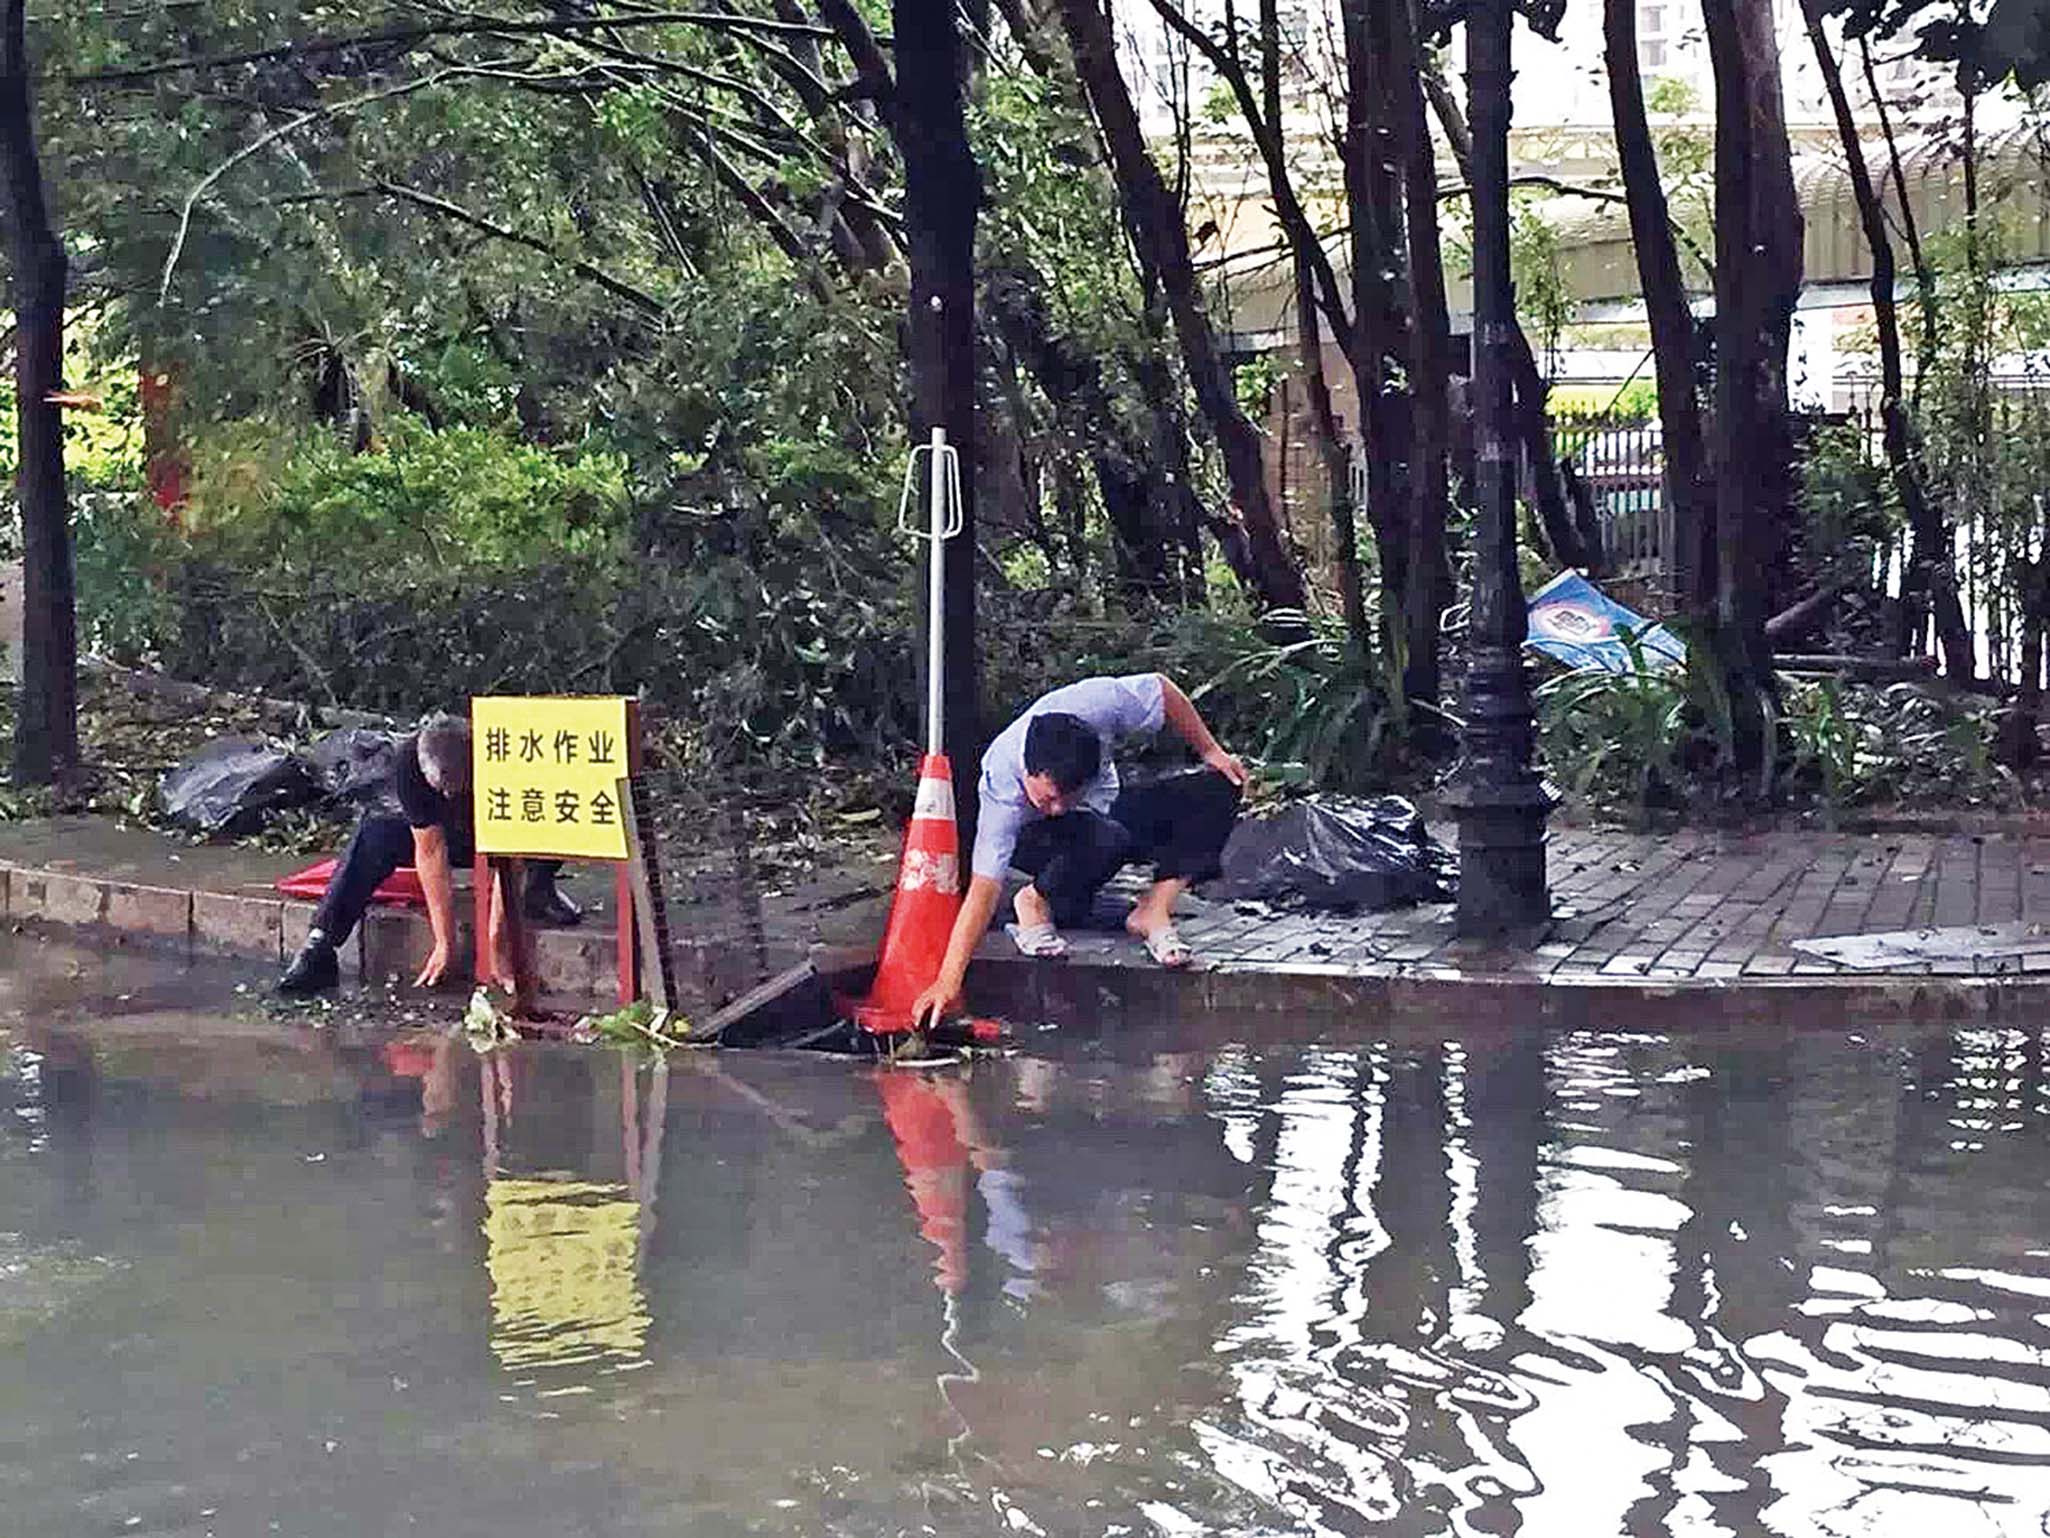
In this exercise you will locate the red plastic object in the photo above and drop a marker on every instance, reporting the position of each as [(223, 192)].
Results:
[(402, 886)]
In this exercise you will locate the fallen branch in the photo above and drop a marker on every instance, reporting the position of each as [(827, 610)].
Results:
[(1791, 619), (1868, 669)]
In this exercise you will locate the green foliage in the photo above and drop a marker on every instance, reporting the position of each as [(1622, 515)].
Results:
[(1253, 384), (1628, 741), (1315, 708), (461, 495), (1578, 406), (1543, 303), (639, 1024), (1672, 96), (1654, 740), (125, 551), (1853, 744)]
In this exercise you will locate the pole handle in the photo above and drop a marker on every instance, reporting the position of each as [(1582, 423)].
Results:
[(908, 502)]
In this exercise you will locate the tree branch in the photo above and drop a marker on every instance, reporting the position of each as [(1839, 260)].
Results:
[(1267, 139), (871, 69), (640, 298), (479, 27), (264, 140), (1593, 194)]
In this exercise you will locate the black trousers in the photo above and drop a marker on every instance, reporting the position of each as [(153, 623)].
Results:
[(1178, 824), (382, 844)]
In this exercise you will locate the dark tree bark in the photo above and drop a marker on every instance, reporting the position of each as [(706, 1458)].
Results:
[(1370, 156), (942, 192), (1929, 581), (1925, 275), (1139, 493), (1758, 277), (1430, 333), (1155, 220), (46, 723), (1672, 322), (1331, 445)]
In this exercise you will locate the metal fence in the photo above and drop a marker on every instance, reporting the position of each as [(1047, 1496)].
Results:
[(1998, 515), (1619, 469)]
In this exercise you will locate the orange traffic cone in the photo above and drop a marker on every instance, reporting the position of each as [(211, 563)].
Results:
[(922, 913)]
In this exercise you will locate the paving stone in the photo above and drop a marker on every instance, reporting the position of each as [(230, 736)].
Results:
[(160, 913), (239, 926), (58, 897)]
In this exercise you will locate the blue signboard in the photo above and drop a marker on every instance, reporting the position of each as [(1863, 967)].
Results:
[(1576, 622)]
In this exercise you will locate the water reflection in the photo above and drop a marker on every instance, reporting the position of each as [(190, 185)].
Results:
[(1578, 1285)]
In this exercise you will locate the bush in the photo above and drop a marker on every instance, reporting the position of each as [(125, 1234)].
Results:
[(472, 495), (1647, 740)]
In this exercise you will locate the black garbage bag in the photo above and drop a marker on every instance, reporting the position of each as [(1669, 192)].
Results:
[(1336, 852), (357, 765), (230, 786)]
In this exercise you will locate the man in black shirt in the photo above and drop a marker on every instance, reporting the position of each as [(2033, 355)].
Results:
[(435, 834)]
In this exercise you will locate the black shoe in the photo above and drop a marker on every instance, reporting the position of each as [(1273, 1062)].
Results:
[(545, 904), (314, 970)]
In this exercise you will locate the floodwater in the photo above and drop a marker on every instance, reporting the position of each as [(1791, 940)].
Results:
[(259, 1281)]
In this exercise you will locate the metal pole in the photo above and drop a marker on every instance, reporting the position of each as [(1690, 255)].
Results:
[(936, 594), (1501, 802)]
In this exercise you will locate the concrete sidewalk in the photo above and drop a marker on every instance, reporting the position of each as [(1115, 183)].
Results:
[(1663, 930)]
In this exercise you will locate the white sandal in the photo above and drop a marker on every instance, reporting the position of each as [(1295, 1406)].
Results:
[(1040, 941), (1166, 946)]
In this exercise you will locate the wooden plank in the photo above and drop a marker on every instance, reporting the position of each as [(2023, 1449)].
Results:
[(644, 876)]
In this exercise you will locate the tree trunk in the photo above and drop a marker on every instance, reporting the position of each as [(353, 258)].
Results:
[(1430, 335), (1758, 277), (1925, 275), (1371, 160), (1929, 575), (942, 191), (46, 723), (1672, 321), (1156, 224), (1139, 489), (1331, 448), (1331, 445)]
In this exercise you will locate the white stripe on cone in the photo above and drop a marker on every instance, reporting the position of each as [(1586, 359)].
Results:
[(935, 800)]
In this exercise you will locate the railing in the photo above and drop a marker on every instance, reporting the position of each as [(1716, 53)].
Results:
[(1619, 468)]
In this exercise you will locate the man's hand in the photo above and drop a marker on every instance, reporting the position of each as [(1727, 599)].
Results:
[(436, 968), (1227, 766), (934, 1002)]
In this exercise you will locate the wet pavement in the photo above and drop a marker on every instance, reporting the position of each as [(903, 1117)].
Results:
[(1636, 916), (260, 1278)]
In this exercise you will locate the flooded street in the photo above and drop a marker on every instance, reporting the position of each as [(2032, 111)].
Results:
[(259, 1279)]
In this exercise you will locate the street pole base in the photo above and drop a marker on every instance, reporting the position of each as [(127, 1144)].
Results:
[(1502, 880)]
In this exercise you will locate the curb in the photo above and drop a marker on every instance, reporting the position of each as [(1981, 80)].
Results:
[(580, 963)]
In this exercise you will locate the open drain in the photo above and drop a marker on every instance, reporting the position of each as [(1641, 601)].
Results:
[(806, 1010)]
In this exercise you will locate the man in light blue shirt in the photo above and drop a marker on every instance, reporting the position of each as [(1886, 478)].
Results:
[(1051, 806)]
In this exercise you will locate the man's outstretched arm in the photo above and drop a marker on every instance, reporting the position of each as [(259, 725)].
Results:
[(1182, 715), (437, 881), (970, 925)]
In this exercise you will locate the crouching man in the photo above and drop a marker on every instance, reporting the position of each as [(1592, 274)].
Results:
[(1051, 806), (435, 834)]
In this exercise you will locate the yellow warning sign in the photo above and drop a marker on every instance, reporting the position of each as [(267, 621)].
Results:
[(546, 772)]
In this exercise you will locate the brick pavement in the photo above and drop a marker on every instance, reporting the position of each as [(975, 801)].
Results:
[(1691, 905), (1658, 911)]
